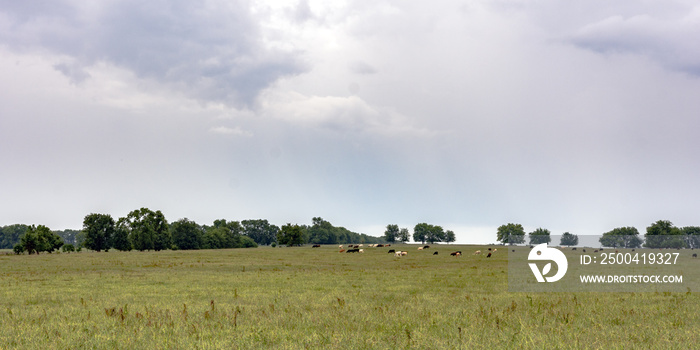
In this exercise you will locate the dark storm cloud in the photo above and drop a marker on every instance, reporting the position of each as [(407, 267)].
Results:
[(212, 51)]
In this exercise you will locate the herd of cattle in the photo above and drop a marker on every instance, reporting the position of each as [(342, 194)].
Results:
[(359, 248)]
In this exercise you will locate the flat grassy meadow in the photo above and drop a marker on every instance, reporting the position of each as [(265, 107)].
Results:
[(303, 297)]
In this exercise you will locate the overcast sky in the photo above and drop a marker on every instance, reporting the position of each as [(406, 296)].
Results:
[(579, 116)]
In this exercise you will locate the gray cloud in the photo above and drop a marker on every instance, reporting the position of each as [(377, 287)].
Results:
[(667, 41), (212, 51)]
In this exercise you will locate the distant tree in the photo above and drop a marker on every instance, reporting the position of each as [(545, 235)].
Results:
[(69, 236), (98, 229), (322, 232), (662, 234), (621, 237), (290, 235), (247, 242), (568, 239), (30, 241), (420, 232), (67, 248), (120, 238), (186, 234), (161, 233), (540, 236), (214, 237), (10, 235), (148, 230), (391, 233), (18, 249), (261, 231), (435, 234), (40, 239), (511, 234), (404, 235), (450, 236)]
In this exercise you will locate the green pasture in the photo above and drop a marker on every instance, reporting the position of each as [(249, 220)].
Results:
[(303, 297)]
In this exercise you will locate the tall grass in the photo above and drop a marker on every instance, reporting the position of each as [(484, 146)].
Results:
[(316, 298)]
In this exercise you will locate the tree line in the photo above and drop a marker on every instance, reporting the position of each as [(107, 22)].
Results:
[(660, 234), (422, 232), (145, 229)]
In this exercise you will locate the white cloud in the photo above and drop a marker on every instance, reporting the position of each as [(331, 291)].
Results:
[(236, 131)]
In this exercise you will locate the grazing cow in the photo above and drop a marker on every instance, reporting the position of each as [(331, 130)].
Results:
[(584, 250), (495, 249), (436, 253), (420, 248), (488, 256), (397, 254), (380, 246), (426, 246), (359, 246), (601, 249), (387, 245), (340, 246), (632, 250), (361, 251), (404, 253), (316, 246), (477, 252), (513, 250), (595, 251), (354, 250), (392, 251), (489, 248), (457, 253), (341, 251), (695, 255), (573, 248)]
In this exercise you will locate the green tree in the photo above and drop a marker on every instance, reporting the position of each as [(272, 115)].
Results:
[(261, 231), (404, 235), (148, 230), (40, 239), (540, 236), (10, 235), (568, 239), (120, 238), (621, 237), (662, 234), (420, 232), (322, 232), (435, 234), (18, 249), (450, 236), (391, 233), (68, 248), (228, 233), (30, 241), (511, 234), (186, 234), (98, 229), (290, 235)]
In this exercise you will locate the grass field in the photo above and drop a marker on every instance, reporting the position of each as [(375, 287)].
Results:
[(316, 298)]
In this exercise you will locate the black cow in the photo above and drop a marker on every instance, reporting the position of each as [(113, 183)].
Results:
[(513, 250), (355, 250), (436, 253), (573, 248), (316, 246), (488, 256), (695, 255), (392, 251), (426, 246)]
